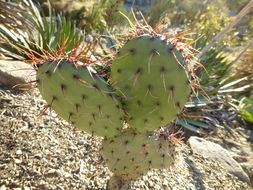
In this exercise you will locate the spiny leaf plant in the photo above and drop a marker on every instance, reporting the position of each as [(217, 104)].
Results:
[(10, 14), (144, 85), (141, 87), (38, 32)]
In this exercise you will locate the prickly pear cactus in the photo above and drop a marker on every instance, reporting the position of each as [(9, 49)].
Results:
[(149, 73), (130, 155), (80, 97), (148, 86)]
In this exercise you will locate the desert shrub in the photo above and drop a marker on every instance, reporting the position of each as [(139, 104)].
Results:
[(90, 14), (209, 23)]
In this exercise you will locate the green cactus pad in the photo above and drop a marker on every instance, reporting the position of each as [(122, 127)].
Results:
[(148, 71), (80, 97), (130, 155)]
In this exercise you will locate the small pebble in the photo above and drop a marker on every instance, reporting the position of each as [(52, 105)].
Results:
[(19, 152), (17, 161)]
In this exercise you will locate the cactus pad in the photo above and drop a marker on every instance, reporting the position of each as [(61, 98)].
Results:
[(148, 71), (130, 155), (80, 97)]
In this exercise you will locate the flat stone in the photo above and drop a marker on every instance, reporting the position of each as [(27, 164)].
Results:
[(16, 74), (216, 152)]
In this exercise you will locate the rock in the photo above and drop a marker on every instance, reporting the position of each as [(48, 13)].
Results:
[(19, 152), (15, 73), (3, 187), (17, 161), (53, 173), (248, 168), (216, 152)]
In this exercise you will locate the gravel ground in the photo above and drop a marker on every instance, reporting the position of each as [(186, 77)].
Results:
[(45, 152)]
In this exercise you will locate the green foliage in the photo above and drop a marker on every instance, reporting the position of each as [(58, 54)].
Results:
[(179, 12), (193, 125), (246, 110), (243, 67), (39, 33), (235, 5), (104, 14), (92, 15), (151, 93), (217, 68), (245, 27), (209, 23), (9, 14), (175, 12), (202, 19), (158, 11)]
